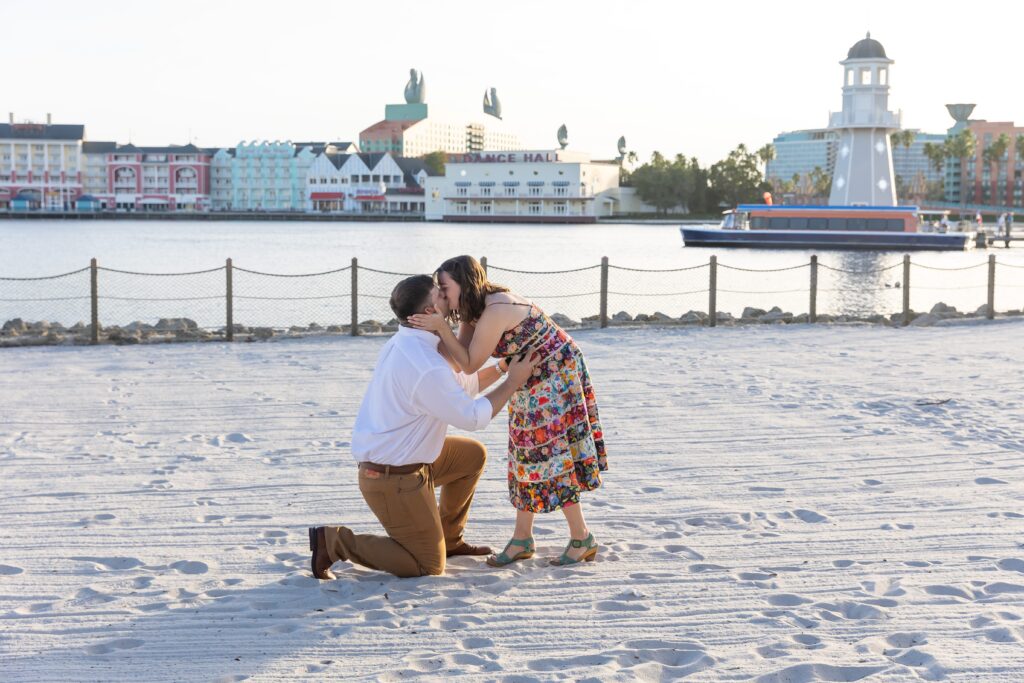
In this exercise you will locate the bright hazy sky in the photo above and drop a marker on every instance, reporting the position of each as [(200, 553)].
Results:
[(691, 77)]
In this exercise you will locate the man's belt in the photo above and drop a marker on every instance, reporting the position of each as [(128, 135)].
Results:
[(393, 469)]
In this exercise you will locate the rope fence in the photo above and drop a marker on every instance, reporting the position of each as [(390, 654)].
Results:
[(98, 302)]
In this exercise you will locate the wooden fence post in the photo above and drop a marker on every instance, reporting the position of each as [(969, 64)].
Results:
[(94, 295), (604, 291), (713, 291), (230, 295), (483, 263), (906, 289), (991, 287), (355, 297), (812, 314)]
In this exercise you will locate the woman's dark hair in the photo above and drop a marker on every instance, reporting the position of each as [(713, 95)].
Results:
[(411, 296), (473, 285)]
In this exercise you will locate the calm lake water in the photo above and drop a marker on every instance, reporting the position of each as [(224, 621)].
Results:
[(36, 248)]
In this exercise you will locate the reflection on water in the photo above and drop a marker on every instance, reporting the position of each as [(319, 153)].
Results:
[(860, 283)]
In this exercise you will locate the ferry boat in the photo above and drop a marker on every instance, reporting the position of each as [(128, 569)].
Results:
[(877, 228)]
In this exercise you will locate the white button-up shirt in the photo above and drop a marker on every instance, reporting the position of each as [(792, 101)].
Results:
[(412, 398)]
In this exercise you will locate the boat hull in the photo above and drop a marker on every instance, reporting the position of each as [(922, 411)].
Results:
[(822, 239)]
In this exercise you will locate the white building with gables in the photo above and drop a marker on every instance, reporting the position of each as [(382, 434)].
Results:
[(367, 183), (548, 186)]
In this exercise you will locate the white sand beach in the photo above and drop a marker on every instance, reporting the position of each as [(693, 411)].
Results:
[(784, 503)]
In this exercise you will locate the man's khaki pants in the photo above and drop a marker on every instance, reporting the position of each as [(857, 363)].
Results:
[(418, 532)]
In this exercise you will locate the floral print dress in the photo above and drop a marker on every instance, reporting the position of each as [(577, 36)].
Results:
[(555, 444)]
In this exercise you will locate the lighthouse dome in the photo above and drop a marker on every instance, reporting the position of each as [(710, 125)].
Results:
[(868, 48)]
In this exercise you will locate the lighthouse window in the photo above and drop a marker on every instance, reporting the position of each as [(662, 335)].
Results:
[(883, 76), (849, 77), (865, 76)]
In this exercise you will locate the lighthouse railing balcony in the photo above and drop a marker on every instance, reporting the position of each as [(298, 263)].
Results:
[(865, 119)]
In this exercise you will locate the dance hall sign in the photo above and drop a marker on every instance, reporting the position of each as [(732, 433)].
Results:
[(503, 158)]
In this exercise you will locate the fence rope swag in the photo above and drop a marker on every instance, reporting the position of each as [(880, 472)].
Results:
[(380, 287)]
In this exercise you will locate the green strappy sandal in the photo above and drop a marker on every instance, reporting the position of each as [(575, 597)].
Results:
[(589, 543), (503, 558)]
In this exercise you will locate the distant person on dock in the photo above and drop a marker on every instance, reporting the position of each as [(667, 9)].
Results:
[(556, 446), (403, 453)]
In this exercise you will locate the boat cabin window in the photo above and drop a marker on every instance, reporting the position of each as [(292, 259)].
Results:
[(823, 223)]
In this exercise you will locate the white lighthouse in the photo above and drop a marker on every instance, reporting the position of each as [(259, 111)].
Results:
[(863, 173)]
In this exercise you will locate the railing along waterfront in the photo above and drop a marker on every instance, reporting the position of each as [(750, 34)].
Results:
[(98, 303)]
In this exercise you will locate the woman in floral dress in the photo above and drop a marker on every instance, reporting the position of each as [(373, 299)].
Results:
[(556, 447)]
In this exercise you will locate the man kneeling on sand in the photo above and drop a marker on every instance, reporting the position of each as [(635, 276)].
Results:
[(403, 452)]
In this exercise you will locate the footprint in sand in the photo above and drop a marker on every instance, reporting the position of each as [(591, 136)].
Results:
[(475, 643), (112, 563), (787, 600), (819, 672), (10, 570), (1012, 564), (114, 645), (893, 526), (808, 641), (189, 567), (984, 481), (949, 591), (851, 611), (685, 551)]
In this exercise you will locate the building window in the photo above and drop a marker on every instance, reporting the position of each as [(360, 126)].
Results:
[(561, 208), (534, 208), (883, 77), (375, 178), (486, 208), (561, 191), (462, 191), (485, 192), (510, 192), (461, 207), (535, 191), (865, 75)]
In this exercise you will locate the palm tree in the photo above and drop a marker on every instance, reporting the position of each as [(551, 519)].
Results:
[(903, 137), (997, 151), (962, 146), (766, 154), (936, 155)]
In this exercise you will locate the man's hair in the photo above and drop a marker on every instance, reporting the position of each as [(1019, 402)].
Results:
[(411, 296)]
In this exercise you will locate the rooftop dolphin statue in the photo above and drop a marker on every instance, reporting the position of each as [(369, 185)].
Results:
[(492, 105), (416, 88), (563, 136)]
